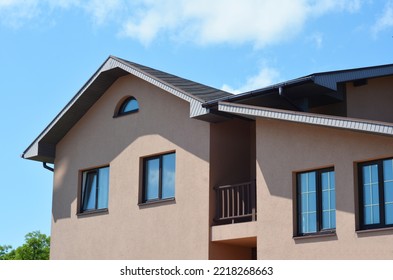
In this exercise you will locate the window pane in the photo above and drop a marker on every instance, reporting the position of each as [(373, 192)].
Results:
[(304, 225), (304, 202), (152, 178), (103, 187), (311, 181), (370, 194), (312, 222), (325, 180), (388, 190), (389, 213), (131, 105), (333, 219), (333, 200), (303, 182), (329, 219), (312, 201), (89, 191), (308, 202), (326, 220), (328, 200), (375, 214), (325, 200), (375, 194), (309, 223), (371, 215), (388, 170), (370, 173), (388, 202), (168, 175)]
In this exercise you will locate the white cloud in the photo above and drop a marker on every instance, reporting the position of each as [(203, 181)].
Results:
[(203, 22), (385, 20), (15, 12), (319, 7), (266, 77), (229, 21), (220, 21), (103, 10)]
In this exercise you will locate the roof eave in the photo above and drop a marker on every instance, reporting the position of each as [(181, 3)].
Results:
[(257, 92), (101, 80), (354, 124)]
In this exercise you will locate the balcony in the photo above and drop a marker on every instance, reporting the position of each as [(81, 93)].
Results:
[(235, 203)]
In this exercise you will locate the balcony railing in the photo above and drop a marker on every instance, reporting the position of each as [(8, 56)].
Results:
[(236, 203)]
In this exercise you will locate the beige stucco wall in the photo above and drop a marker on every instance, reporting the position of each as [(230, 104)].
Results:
[(372, 101), (284, 148), (174, 230)]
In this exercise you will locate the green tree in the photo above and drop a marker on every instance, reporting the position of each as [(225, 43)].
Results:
[(36, 247), (4, 252)]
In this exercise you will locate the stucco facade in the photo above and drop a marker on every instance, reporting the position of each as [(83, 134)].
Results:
[(172, 229), (297, 148), (371, 101), (237, 164)]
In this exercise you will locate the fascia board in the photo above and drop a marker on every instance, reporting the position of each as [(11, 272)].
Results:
[(366, 126)]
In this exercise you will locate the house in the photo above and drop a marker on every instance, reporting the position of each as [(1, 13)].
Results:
[(148, 165)]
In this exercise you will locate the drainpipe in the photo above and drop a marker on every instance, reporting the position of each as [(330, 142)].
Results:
[(46, 166)]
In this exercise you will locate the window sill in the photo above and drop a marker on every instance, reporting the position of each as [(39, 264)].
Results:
[(315, 235), (385, 229), (93, 212), (155, 202)]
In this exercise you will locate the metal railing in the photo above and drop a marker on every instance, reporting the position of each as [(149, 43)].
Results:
[(235, 203)]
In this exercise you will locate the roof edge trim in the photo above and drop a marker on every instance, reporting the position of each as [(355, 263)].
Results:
[(32, 151), (114, 62), (359, 125)]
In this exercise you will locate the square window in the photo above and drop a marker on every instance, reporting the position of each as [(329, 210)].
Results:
[(159, 177), (95, 187), (316, 201)]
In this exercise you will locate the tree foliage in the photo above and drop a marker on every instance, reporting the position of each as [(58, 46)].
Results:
[(36, 247)]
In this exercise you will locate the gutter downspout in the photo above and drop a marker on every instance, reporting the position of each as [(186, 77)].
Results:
[(46, 166)]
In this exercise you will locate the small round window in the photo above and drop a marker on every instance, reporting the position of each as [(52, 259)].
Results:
[(130, 105)]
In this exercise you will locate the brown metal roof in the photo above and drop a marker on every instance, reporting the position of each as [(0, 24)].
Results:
[(200, 91), (316, 87), (43, 147)]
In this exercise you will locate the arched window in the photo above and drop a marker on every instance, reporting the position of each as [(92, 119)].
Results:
[(128, 106)]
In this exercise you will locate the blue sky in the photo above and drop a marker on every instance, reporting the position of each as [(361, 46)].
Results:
[(50, 48)]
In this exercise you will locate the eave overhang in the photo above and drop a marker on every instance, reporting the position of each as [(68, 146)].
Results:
[(309, 91), (359, 125), (43, 147)]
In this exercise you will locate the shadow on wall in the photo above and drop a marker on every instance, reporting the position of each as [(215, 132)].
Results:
[(98, 138), (315, 239), (283, 149)]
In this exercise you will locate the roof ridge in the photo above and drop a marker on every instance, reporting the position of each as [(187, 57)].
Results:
[(200, 91)]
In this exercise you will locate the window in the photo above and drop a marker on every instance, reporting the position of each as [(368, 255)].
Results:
[(128, 106), (376, 194), (159, 177), (95, 185), (316, 199)]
